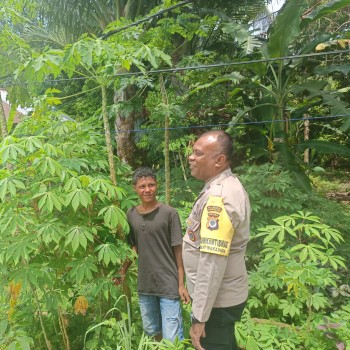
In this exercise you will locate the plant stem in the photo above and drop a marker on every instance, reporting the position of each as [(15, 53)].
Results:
[(47, 341), (61, 321)]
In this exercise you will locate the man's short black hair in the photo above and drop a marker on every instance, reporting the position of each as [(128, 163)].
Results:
[(141, 172), (225, 142)]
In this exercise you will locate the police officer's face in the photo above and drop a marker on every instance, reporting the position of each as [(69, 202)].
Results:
[(146, 189), (204, 158)]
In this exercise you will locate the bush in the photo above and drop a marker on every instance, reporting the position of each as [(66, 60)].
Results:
[(290, 304)]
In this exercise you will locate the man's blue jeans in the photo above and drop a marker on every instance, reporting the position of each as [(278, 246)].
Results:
[(161, 316)]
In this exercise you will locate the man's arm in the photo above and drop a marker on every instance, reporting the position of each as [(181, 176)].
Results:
[(121, 273), (185, 297), (197, 332)]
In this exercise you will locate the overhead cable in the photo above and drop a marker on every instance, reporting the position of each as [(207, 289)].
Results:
[(112, 32), (231, 124), (181, 69), (221, 125)]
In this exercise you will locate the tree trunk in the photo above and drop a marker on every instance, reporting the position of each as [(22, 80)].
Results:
[(166, 141), (109, 145), (306, 138), (124, 125), (3, 122)]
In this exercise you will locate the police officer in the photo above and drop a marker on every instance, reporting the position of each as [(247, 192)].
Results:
[(214, 245)]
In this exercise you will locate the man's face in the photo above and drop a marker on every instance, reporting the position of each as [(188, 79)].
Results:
[(146, 189), (203, 160)]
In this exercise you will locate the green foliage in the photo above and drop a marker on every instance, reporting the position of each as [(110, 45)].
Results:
[(14, 338), (279, 91), (290, 288), (272, 192), (121, 333), (63, 221), (62, 228)]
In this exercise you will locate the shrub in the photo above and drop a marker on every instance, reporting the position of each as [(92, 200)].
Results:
[(290, 306)]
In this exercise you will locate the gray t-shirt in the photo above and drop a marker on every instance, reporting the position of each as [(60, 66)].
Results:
[(154, 234)]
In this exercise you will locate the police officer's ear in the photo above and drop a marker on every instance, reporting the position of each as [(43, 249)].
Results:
[(221, 160)]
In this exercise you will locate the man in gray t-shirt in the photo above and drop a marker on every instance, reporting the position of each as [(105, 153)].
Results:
[(155, 234)]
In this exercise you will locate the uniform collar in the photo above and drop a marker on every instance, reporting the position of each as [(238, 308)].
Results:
[(216, 179)]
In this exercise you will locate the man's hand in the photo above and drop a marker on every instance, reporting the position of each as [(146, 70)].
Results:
[(117, 281), (185, 297), (196, 332)]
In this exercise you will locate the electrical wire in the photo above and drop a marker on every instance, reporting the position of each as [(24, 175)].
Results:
[(221, 125), (112, 32), (226, 64), (233, 124), (180, 69)]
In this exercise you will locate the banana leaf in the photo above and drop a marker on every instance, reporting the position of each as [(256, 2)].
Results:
[(325, 147)]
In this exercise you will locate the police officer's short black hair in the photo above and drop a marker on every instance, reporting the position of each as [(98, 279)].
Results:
[(225, 142)]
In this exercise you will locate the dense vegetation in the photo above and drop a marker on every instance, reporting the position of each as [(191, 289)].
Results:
[(114, 85)]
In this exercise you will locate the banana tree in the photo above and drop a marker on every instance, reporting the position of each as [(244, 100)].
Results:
[(285, 87)]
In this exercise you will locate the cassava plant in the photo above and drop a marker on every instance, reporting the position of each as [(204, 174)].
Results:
[(125, 334), (290, 288), (59, 215)]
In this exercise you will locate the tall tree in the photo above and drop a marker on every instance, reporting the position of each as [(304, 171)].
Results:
[(95, 16)]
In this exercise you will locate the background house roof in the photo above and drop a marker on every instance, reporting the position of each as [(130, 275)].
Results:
[(6, 106)]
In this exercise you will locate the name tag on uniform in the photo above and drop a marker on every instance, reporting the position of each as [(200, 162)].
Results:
[(216, 228)]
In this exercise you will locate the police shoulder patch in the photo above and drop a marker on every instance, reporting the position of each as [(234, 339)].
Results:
[(216, 228)]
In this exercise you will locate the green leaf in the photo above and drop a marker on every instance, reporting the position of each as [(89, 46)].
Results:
[(72, 184), (32, 143), (10, 185), (3, 189), (20, 249), (150, 56), (78, 197), (325, 147), (285, 29), (3, 326), (251, 343), (48, 165), (85, 51), (108, 253), (303, 255), (51, 231), (113, 216), (272, 299), (11, 151), (324, 9), (342, 68), (78, 236), (51, 150), (24, 343), (49, 201), (81, 269)]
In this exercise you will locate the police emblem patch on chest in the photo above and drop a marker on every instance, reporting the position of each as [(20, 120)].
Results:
[(191, 235), (192, 227)]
